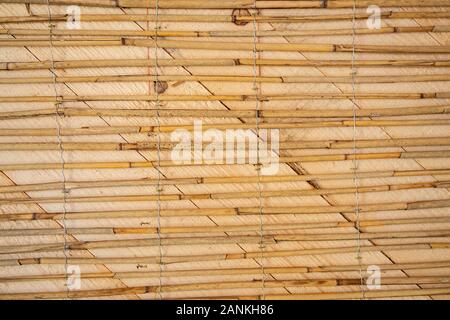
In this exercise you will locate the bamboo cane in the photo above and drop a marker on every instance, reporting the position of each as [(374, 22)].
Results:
[(234, 271), (223, 271), (218, 62), (247, 46), (247, 239), (162, 98), (169, 163), (72, 185), (374, 294), (228, 195), (209, 113), (236, 46), (383, 3), (237, 4), (221, 256), (226, 18), (106, 130), (241, 33), (284, 145), (400, 206), (221, 78), (202, 286), (255, 284), (219, 229)]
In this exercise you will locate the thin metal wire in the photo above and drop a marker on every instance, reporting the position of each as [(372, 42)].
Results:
[(158, 169), (355, 161), (61, 149), (258, 164)]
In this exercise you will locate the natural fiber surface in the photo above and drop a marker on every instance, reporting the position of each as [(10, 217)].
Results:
[(87, 175)]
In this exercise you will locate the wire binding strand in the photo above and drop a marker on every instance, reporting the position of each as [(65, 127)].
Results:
[(355, 151), (258, 162), (158, 169), (60, 146)]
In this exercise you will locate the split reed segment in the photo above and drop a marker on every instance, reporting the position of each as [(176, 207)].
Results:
[(106, 130), (254, 284), (389, 14), (69, 64), (222, 228), (173, 260), (189, 287), (222, 271), (425, 236), (238, 4), (228, 195), (346, 295), (223, 78), (234, 46), (238, 211), (173, 98), (169, 163), (283, 145), (71, 185), (207, 34), (209, 113)]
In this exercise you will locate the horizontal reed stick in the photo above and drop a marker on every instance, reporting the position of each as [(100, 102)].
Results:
[(305, 96), (283, 145), (218, 229), (228, 195), (222, 78), (68, 64), (209, 113), (239, 211), (166, 259), (235, 46), (389, 14), (72, 185), (106, 130), (374, 294), (255, 284), (205, 286), (214, 33), (238, 4), (222, 271), (193, 241), (169, 163)]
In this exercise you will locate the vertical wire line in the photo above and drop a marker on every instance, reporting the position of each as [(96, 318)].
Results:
[(60, 145), (158, 169), (258, 164), (355, 161)]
